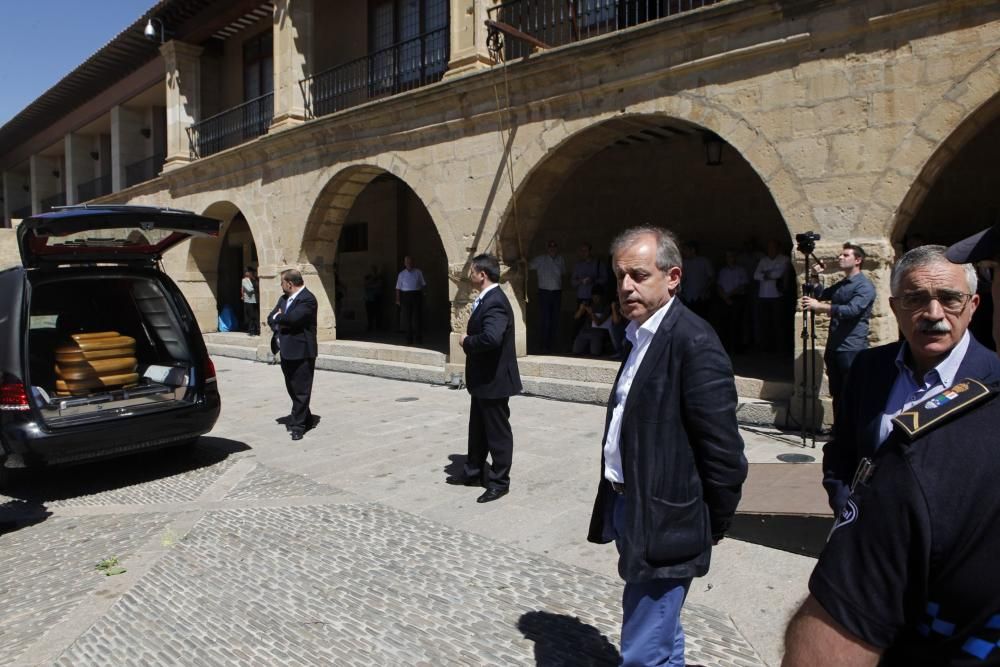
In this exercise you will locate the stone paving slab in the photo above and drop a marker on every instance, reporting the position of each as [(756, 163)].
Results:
[(364, 584), (48, 570)]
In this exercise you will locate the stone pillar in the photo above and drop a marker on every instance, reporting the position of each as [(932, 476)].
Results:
[(8, 198), (293, 46), (44, 182), (183, 67), (79, 165), (468, 37), (128, 145)]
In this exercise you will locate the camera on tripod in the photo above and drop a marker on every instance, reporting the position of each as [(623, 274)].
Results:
[(806, 242)]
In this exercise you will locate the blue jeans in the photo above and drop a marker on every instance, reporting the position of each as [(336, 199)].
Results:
[(651, 614)]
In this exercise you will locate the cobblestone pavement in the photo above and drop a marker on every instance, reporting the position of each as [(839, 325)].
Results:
[(246, 550)]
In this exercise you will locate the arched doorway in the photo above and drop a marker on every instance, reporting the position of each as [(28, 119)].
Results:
[(221, 261), (957, 196), (662, 171), (361, 228)]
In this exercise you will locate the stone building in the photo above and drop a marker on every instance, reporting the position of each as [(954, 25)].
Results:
[(332, 137)]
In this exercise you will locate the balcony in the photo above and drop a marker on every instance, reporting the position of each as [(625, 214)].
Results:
[(528, 24), (98, 187), (49, 203), (232, 127), (144, 170), (403, 66)]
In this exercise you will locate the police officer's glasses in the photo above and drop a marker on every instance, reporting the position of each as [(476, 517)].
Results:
[(951, 301)]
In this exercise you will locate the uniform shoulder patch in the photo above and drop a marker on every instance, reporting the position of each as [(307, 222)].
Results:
[(940, 408)]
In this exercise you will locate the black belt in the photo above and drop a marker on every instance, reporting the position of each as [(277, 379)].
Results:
[(618, 488)]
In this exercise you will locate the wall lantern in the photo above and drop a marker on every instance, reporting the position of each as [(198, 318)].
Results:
[(146, 132), (713, 149), (55, 172), (150, 30), (26, 188), (94, 155)]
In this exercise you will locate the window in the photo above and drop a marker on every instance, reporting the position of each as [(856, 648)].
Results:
[(417, 29), (258, 66)]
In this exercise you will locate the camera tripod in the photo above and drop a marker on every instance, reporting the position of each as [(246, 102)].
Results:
[(810, 380)]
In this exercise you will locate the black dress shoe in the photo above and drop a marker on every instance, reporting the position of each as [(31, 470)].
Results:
[(492, 494), (462, 480), (296, 435)]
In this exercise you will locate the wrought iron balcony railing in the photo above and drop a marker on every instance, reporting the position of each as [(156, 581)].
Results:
[(48, 203), (144, 170), (403, 66), (232, 127), (557, 22), (97, 187)]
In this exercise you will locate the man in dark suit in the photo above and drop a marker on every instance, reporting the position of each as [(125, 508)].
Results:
[(672, 467), (293, 321), (492, 377), (933, 301)]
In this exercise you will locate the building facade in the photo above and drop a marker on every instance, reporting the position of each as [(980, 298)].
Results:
[(334, 137)]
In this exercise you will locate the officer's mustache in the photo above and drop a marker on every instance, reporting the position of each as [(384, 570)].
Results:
[(938, 326)]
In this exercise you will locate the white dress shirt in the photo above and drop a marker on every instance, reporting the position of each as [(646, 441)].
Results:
[(410, 280), (479, 299), (550, 271), (769, 272), (640, 337)]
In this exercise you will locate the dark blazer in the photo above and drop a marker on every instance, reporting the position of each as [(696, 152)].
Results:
[(296, 329), (682, 454), (490, 358), (856, 431)]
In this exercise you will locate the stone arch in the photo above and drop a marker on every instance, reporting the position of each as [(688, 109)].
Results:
[(321, 246), (203, 261), (751, 161), (938, 136)]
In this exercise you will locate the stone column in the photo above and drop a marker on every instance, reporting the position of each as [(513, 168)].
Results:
[(128, 145), (293, 45), (468, 37), (183, 68), (44, 182), (79, 165)]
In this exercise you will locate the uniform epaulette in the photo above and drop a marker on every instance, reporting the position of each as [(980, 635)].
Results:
[(940, 408)]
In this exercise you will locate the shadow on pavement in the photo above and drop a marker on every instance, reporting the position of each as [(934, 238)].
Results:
[(456, 467), (29, 490), (566, 640)]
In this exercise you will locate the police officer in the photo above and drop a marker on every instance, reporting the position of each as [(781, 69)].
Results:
[(909, 575)]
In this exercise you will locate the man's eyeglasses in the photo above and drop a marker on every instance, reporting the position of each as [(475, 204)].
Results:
[(951, 301)]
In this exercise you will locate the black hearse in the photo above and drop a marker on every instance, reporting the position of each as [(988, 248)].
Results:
[(100, 354)]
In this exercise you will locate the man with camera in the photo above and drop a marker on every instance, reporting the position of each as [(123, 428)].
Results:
[(848, 302)]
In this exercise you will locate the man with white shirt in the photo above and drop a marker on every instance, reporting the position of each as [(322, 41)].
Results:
[(933, 301), (550, 268), (410, 286), (772, 316), (672, 466)]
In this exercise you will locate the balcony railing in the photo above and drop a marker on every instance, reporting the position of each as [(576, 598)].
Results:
[(58, 199), (21, 213), (403, 66), (232, 127), (98, 187), (558, 22), (144, 170)]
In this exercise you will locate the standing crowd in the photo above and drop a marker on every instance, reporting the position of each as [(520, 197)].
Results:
[(910, 470)]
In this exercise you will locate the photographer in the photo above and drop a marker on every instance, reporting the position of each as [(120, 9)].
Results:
[(849, 304)]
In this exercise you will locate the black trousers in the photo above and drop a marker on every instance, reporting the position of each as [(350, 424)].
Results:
[(489, 432), (298, 383), (411, 305), (251, 317), (838, 365)]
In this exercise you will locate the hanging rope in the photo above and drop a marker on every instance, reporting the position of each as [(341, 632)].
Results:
[(495, 47)]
